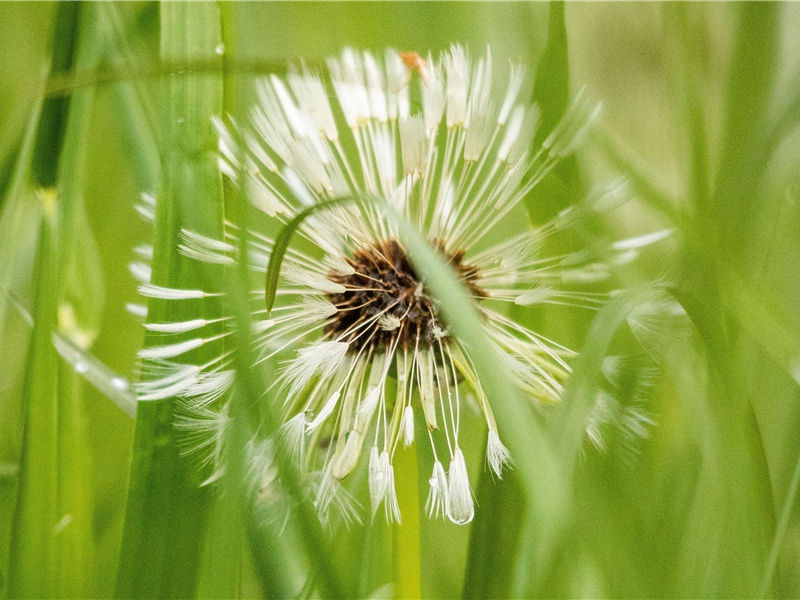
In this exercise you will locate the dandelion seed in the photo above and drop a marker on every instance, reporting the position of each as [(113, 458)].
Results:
[(436, 504), (351, 311)]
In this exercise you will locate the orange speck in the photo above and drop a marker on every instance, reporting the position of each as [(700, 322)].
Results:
[(415, 62)]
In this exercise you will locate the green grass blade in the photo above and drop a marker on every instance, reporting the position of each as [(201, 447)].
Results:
[(282, 245), (32, 570), (542, 477), (21, 214), (780, 530), (245, 418), (165, 522), (54, 113), (131, 98), (68, 282), (560, 187), (551, 90)]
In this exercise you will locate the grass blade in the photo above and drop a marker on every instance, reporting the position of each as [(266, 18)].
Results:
[(165, 521), (281, 245)]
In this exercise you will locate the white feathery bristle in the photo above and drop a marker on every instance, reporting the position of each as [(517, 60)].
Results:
[(299, 189), (299, 123), (211, 386), (408, 426), (436, 504), (641, 241), (338, 265), (425, 368), (413, 145), (301, 276), (457, 68), (147, 212), (367, 406), (535, 296), (521, 147), (262, 325), (480, 87), (293, 434), (176, 327), (348, 82), (318, 358), (345, 461), (445, 204), (479, 133), (318, 309), (433, 96), (170, 350), (310, 161), (166, 293), (177, 380), (140, 271), (589, 274), (310, 91), (227, 146), (381, 484), (257, 149), (375, 479), (325, 412), (263, 198), (397, 84), (515, 79), (390, 503), (512, 133), (205, 249), (137, 310), (460, 507), (269, 123), (331, 493), (497, 454), (383, 146), (144, 251), (376, 88)]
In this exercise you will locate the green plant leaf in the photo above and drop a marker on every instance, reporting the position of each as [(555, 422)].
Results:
[(282, 241)]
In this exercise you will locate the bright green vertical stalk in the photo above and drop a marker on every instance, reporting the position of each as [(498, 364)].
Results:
[(80, 301), (51, 553), (20, 222), (407, 543), (32, 568), (165, 522)]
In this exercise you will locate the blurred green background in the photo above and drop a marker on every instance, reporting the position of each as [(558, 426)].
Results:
[(700, 110)]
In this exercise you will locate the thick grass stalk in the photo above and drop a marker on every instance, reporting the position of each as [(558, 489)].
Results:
[(165, 522), (53, 541)]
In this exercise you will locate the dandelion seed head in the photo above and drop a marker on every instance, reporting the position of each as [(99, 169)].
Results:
[(358, 342), (385, 291)]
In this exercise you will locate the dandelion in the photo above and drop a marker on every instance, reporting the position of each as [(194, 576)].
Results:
[(362, 351)]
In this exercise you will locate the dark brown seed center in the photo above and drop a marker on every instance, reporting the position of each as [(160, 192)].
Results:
[(385, 301)]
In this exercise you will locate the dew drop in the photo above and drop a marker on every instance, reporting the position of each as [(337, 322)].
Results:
[(81, 367), (119, 383), (220, 49)]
